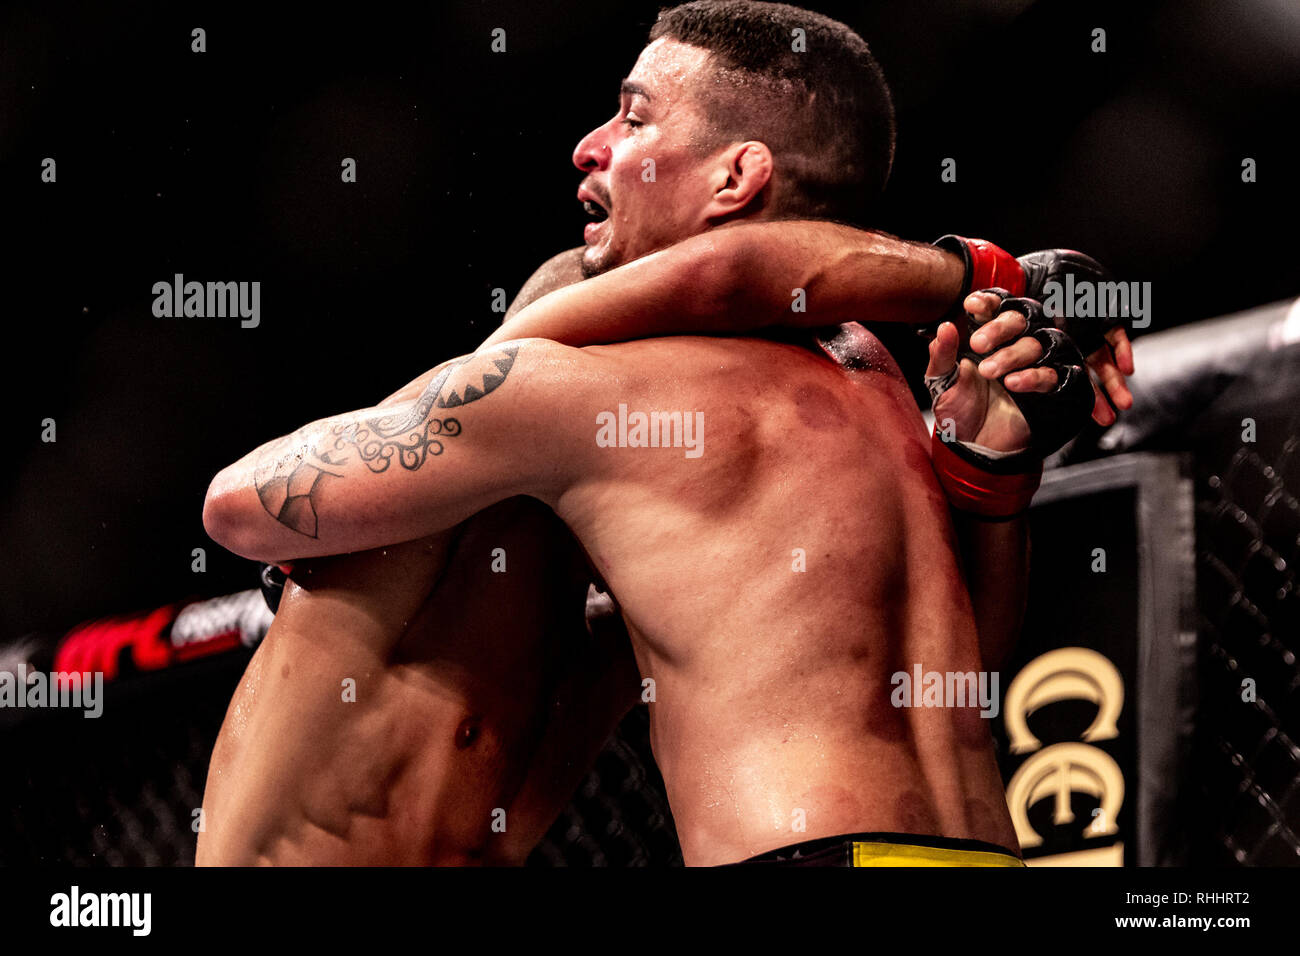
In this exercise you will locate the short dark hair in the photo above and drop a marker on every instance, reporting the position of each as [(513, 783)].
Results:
[(825, 113)]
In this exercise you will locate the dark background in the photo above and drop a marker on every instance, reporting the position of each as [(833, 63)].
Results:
[(225, 166)]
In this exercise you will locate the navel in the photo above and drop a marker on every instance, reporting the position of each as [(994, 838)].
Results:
[(467, 733)]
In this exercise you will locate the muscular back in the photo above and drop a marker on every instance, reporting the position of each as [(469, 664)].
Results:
[(772, 586), (777, 564)]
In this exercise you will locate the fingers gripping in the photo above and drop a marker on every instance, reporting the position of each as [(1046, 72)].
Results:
[(942, 372), (1057, 414)]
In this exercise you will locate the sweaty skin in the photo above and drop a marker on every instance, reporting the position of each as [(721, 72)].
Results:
[(814, 629), (257, 762), (772, 683), (380, 595), (772, 585), (475, 703), (481, 691)]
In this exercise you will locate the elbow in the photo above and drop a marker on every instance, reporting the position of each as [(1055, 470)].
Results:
[(219, 521), (225, 518)]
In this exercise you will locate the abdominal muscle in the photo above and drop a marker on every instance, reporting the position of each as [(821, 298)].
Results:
[(391, 712)]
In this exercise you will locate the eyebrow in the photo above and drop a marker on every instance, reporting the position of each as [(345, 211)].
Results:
[(628, 88)]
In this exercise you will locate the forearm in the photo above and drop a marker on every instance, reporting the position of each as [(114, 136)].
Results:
[(996, 559), (747, 277), (845, 275)]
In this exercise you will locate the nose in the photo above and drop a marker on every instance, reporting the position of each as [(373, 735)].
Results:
[(592, 152)]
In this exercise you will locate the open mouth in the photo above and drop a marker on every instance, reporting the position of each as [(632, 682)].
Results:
[(595, 210)]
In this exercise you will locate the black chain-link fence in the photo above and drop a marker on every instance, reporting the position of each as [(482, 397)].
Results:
[(619, 816), (119, 790), (1228, 392), (1248, 534)]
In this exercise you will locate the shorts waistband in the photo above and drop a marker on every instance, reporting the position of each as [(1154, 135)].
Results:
[(887, 849)]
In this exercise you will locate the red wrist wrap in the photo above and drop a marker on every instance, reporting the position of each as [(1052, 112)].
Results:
[(970, 488), (994, 268)]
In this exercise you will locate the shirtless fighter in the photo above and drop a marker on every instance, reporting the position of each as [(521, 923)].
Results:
[(774, 709)]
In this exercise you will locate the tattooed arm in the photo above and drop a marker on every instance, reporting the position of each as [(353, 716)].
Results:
[(388, 474)]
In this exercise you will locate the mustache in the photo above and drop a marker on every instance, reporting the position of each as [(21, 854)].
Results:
[(598, 191)]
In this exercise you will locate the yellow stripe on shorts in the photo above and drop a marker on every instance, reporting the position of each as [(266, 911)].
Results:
[(907, 854)]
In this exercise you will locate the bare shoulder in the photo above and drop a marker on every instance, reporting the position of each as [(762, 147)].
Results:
[(539, 381), (551, 379), (555, 273)]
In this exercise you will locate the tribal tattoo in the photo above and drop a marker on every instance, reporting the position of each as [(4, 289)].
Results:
[(290, 472)]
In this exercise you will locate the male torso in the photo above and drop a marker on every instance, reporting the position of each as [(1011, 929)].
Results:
[(474, 706), (774, 584)]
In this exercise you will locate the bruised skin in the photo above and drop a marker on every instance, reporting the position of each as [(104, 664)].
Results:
[(462, 678), (772, 685), (772, 720)]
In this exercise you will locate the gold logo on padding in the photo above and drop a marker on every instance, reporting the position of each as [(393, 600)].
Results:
[(1068, 673), (1058, 771)]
